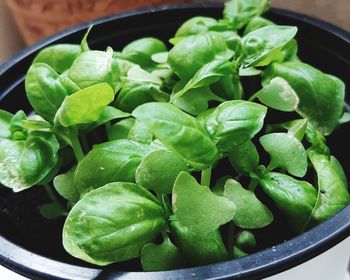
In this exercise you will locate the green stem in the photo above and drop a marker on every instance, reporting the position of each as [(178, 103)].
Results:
[(205, 177), (252, 185), (230, 239), (51, 194), (84, 143), (78, 151), (255, 95)]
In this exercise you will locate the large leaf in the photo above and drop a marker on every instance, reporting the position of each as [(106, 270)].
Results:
[(235, 122), (84, 106), (321, 96), (44, 90), (112, 224), (285, 151), (333, 194), (179, 132), (251, 212), (296, 199), (114, 161), (197, 208)]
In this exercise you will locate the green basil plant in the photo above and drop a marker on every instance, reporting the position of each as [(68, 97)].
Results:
[(159, 154)]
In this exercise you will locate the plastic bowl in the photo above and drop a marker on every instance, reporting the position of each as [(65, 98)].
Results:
[(33, 247)]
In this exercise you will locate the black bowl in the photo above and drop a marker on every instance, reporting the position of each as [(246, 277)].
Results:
[(31, 246)]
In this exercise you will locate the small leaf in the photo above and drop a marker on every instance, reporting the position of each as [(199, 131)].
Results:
[(140, 132), (64, 185), (160, 58), (197, 208), (333, 192), (251, 212), (165, 256), (286, 152), (137, 74), (158, 171), (244, 158), (296, 199), (52, 211), (84, 106), (279, 95), (120, 130), (246, 240)]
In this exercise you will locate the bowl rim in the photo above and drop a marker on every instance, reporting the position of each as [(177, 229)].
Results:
[(255, 266)]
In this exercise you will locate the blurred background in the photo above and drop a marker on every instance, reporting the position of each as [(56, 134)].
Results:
[(24, 22)]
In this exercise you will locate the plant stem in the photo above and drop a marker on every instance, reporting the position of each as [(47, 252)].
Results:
[(230, 239), (255, 95), (205, 177), (51, 194), (78, 151), (252, 185)]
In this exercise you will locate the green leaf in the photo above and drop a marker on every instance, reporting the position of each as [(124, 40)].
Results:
[(120, 130), (90, 68), (114, 161), (165, 256), (239, 13), (321, 96), (141, 50), (5, 122), (84, 106), (195, 101), (256, 23), (197, 208), (199, 249), (52, 211), (251, 212), (158, 171), (279, 95), (195, 25), (206, 75), (179, 132), (109, 113), (263, 46), (160, 58), (316, 139), (296, 199), (333, 192), (235, 122), (246, 240), (59, 57), (44, 90), (137, 74), (112, 224), (298, 129), (244, 158), (193, 52), (286, 152), (64, 185), (140, 132)]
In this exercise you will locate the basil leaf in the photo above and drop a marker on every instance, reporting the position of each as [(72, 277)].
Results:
[(235, 122), (193, 52), (140, 132), (114, 161), (5, 122), (239, 13), (165, 256), (333, 192), (64, 185), (246, 240), (60, 56), (84, 106), (158, 171), (140, 51), (257, 23), (199, 249), (112, 224), (195, 25), (179, 132), (92, 67), (44, 89), (52, 211), (286, 151), (263, 46), (279, 95), (251, 212), (120, 130), (206, 75), (197, 208), (244, 158), (296, 199), (321, 96)]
